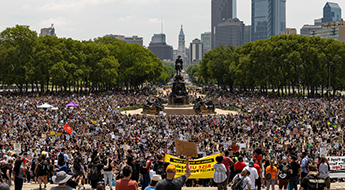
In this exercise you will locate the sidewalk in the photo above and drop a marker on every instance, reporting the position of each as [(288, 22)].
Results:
[(32, 186)]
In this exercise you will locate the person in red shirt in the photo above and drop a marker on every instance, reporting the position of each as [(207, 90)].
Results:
[(126, 183), (239, 165), (260, 180), (226, 161)]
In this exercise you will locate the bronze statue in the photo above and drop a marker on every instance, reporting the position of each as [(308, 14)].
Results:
[(178, 65)]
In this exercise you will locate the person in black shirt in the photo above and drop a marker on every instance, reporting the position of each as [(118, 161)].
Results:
[(171, 183), (295, 171), (160, 166)]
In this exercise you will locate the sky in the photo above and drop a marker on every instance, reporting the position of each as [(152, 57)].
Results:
[(89, 19)]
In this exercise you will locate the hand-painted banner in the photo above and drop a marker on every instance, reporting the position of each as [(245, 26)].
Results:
[(200, 168)]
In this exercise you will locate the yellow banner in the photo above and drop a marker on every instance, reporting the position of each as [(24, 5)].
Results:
[(200, 168), (52, 132)]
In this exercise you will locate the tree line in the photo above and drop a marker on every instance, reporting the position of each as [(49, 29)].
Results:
[(52, 63), (281, 64)]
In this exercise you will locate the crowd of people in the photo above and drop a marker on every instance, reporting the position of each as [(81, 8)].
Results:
[(269, 131)]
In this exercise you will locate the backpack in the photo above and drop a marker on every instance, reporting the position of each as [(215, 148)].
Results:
[(43, 166), (61, 159), (161, 169), (95, 172), (316, 183), (238, 183)]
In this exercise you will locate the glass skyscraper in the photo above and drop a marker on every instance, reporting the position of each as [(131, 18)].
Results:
[(331, 12), (268, 18), (221, 10)]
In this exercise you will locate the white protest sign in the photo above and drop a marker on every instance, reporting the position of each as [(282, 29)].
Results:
[(336, 163), (17, 148), (323, 149), (243, 145)]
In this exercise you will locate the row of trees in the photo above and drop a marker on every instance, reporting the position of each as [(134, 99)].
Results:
[(66, 64), (279, 64)]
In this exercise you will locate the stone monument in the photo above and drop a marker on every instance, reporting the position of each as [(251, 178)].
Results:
[(179, 94)]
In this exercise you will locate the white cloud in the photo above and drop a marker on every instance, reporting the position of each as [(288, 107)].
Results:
[(59, 22), (154, 20), (127, 18), (25, 7), (73, 5)]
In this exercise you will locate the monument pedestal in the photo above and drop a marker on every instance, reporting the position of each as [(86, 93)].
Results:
[(179, 94)]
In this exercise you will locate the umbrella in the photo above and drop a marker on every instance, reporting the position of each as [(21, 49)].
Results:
[(45, 105), (72, 104)]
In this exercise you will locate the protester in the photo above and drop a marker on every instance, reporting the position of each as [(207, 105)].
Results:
[(7, 172), (284, 174), (253, 174), (160, 166), (227, 163), (239, 165), (126, 183), (95, 171), (108, 171), (259, 181), (324, 172), (42, 170), (304, 165), (19, 174), (313, 181), (220, 174), (62, 158), (171, 183), (3, 185), (155, 179), (242, 180), (272, 171), (61, 179), (295, 172), (145, 178)]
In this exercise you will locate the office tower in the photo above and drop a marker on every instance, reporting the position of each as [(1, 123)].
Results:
[(230, 32), (331, 30), (331, 12), (221, 10), (306, 29), (196, 52), (159, 47), (130, 40), (247, 34), (206, 41), (48, 31), (268, 18)]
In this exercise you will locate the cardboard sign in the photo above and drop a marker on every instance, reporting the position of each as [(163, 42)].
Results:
[(17, 148), (43, 136), (186, 148)]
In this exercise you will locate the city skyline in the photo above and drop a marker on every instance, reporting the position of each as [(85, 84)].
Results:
[(88, 19)]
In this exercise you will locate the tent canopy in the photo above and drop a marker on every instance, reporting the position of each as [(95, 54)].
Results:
[(45, 105), (72, 104)]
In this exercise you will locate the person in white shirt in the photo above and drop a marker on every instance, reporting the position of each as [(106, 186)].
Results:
[(253, 174)]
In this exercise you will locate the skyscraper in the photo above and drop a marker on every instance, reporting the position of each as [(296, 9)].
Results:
[(159, 47), (196, 52), (206, 40), (331, 12), (268, 18), (230, 32), (221, 10), (48, 31)]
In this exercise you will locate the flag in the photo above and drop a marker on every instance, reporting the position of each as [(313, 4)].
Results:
[(68, 129)]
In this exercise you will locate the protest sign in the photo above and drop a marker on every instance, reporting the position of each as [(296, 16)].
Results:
[(52, 132), (17, 148), (336, 163), (43, 136), (200, 168), (323, 149), (243, 145), (68, 129), (186, 148)]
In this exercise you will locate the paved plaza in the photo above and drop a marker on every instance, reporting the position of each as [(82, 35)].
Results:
[(32, 186)]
